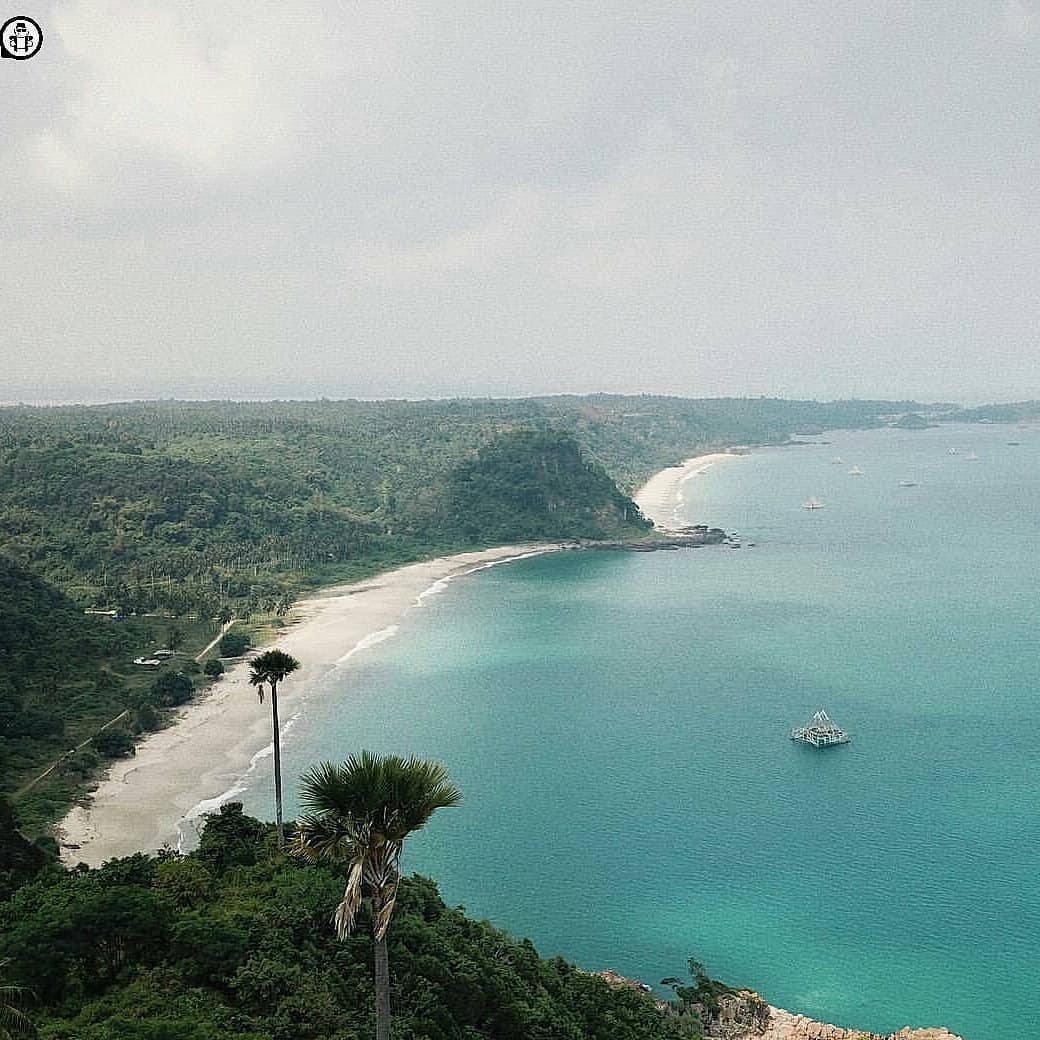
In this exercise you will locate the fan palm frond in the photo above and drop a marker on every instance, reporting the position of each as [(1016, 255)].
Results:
[(344, 918), (271, 668), (13, 1023)]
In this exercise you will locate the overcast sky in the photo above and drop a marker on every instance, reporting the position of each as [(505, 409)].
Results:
[(408, 199)]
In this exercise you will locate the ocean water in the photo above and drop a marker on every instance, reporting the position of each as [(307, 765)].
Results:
[(619, 726)]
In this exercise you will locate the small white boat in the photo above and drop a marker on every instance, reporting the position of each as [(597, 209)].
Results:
[(908, 483), (971, 457), (855, 472), (837, 461), (953, 451), (812, 503)]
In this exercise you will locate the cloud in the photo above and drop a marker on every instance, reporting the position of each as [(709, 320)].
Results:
[(211, 90), (403, 197), (1020, 21)]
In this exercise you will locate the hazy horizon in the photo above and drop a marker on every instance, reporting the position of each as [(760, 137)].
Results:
[(290, 398), (391, 200)]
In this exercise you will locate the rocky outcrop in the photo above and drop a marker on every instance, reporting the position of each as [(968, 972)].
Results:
[(617, 981), (741, 1014), (744, 1015), (783, 1025), (684, 538)]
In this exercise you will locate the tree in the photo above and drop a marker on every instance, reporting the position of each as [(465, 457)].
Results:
[(213, 667), (175, 638), (270, 669), (358, 815), (172, 689), (224, 615), (233, 644)]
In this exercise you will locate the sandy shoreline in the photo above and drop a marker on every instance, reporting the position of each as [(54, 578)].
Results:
[(193, 764), (661, 498), (157, 797)]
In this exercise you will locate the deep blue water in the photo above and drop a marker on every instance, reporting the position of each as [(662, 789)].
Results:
[(619, 725)]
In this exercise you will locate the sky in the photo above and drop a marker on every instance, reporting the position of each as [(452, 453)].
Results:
[(409, 199)]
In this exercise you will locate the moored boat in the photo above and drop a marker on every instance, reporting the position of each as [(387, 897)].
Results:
[(821, 732)]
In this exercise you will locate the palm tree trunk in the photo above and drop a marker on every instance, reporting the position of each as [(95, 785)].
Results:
[(277, 765), (382, 959)]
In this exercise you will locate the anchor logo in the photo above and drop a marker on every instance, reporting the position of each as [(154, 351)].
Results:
[(20, 38)]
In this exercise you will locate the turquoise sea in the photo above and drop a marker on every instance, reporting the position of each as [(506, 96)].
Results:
[(619, 725)]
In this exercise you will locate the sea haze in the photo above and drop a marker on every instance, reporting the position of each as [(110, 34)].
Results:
[(619, 725)]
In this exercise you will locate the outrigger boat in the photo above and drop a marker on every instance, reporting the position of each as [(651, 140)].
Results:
[(821, 732)]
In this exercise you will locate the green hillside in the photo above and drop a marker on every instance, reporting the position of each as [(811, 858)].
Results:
[(183, 510), (183, 507), (235, 940)]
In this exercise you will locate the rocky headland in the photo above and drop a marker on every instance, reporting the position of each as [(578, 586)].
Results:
[(744, 1015)]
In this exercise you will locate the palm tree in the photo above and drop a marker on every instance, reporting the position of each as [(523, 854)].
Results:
[(358, 815), (13, 1023), (271, 668)]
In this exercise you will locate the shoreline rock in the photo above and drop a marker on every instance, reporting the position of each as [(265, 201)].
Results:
[(783, 1025), (744, 1015), (683, 538)]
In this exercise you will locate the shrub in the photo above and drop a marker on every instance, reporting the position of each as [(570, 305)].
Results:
[(172, 689), (213, 667), (113, 742), (233, 644)]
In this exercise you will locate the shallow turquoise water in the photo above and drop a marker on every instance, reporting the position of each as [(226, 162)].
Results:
[(618, 723)]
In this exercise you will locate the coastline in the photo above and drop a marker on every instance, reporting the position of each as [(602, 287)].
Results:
[(202, 758), (661, 498)]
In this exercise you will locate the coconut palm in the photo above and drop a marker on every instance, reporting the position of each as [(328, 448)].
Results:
[(13, 1023), (270, 669), (358, 816)]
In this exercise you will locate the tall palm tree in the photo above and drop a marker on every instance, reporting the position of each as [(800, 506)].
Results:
[(358, 815), (270, 669), (13, 1023)]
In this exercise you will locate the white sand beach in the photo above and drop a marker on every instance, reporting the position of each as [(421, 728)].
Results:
[(195, 762), (156, 797), (662, 497)]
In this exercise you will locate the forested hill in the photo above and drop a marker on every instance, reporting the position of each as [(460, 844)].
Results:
[(236, 940), (48, 655), (183, 507), (539, 483), (56, 685)]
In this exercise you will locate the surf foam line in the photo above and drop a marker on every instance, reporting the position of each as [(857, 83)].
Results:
[(188, 824), (442, 583)]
